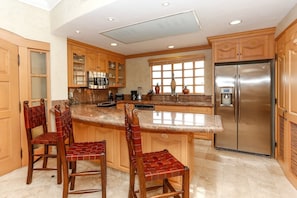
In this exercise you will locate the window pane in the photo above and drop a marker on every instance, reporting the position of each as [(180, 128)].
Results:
[(199, 89), (188, 81), (199, 80), (190, 89), (155, 81), (166, 81), (188, 73), (167, 89), (178, 74), (199, 72), (38, 63), (188, 65), (156, 68), (178, 66), (167, 67), (199, 64), (167, 74), (179, 89), (179, 81), (38, 87), (156, 75)]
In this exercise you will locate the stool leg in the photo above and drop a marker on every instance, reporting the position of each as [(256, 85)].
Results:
[(45, 156), (59, 168), (72, 178), (186, 185), (103, 176), (30, 163)]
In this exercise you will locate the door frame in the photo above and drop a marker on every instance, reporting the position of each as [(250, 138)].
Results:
[(24, 45)]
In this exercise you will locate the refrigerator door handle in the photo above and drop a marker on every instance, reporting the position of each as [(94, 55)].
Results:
[(238, 98), (235, 101)]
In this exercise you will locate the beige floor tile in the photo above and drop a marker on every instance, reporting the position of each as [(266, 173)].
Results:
[(216, 174)]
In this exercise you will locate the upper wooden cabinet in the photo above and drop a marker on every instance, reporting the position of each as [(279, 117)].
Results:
[(76, 66), (116, 71), (244, 46), (83, 58)]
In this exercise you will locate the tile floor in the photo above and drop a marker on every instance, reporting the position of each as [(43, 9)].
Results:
[(216, 174)]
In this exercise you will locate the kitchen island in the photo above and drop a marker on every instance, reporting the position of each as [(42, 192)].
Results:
[(160, 130)]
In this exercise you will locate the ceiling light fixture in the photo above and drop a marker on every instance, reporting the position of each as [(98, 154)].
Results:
[(77, 31), (110, 19), (165, 4), (113, 44), (170, 46), (235, 22)]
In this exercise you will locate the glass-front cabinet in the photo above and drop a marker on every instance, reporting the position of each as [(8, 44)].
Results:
[(116, 72), (76, 66)]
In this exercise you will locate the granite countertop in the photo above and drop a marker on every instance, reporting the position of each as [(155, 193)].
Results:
[(179, 103), (149, 120)]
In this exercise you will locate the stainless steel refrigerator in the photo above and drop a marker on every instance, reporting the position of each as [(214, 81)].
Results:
[(243, 98)]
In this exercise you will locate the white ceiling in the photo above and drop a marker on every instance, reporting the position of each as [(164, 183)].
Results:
[(213, 16)]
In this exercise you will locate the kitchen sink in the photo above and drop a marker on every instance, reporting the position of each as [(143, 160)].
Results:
[(106, 104)]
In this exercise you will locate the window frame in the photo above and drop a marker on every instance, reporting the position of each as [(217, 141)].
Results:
[(164, 82)]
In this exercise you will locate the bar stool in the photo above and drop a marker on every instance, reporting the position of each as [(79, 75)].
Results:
[(76, 151), (153, 166), (35, 118)]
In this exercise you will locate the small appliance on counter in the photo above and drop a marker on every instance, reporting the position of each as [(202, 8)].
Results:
[(119, 97), (139, 93), (133, 95)]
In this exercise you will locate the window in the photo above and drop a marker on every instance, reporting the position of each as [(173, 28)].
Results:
[(187, 71)]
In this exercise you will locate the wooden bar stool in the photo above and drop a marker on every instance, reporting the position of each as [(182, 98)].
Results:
[(35, 119), (153, 166), (76, 151)]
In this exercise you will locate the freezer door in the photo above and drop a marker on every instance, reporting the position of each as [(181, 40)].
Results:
[(254, 115), (225, 78)]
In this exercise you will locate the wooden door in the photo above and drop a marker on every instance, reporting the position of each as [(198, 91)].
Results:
[(10, 141), (291, 113)]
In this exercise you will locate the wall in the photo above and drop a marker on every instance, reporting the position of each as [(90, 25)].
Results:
[(286, 21), (138, 72), (34, 23)]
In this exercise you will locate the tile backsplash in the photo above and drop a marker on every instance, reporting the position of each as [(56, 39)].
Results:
[(88, 96)]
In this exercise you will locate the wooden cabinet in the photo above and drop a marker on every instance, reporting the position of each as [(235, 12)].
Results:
[(83, 58), (252, 45), (180, 145), (182, 108), (286, 116), (92, 61), (116, 71), (76, 66)]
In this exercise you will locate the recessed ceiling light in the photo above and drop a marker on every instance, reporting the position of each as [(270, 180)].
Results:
[(170, 46), (165, 4), (110, 19), (77, 31), (113, 44), (235, 22)]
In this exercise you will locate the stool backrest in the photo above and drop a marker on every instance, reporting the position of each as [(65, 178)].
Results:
[(34, 116)]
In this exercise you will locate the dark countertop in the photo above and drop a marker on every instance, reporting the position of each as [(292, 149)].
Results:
[(164, 121)]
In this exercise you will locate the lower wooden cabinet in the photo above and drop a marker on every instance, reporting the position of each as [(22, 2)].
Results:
[(180, 145)]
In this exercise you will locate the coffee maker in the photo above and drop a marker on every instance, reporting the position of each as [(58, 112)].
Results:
[(134, 95)]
